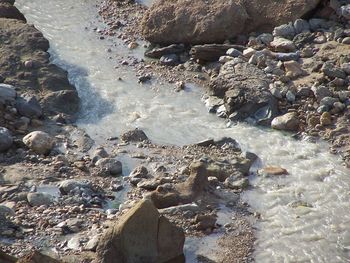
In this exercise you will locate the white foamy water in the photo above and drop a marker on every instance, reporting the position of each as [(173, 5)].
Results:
[(318, 232)]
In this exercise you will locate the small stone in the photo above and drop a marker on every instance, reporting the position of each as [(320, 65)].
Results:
[(232, 52), (326, 119), (328, 102), (290, 96), (110, 165), (133, 45), (28, 64), (272, 170), (346, 41), (332, 71), (38, 199), (284, 31), (338, 106), (169, 60), (293, 69), (265, 38), (236, 184), (7, 93)]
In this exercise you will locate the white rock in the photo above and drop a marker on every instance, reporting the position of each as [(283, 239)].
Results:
[(39, 142)]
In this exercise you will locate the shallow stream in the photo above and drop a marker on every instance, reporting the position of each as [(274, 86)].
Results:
[(304, 216)]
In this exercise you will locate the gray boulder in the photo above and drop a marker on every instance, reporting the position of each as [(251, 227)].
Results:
[(7, 93), (110, 165), (6, 139)]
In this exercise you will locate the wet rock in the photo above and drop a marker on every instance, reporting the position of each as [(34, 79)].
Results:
[(38, 199), (65, 101), (188, 24), (110, 165), (39, 142), (136, 135), (272, 170), (287, 122), (29, 107), (237, 183), (244, 88), (67, 186), (6, 139), (99, 154), (328, 102), (141, 235)]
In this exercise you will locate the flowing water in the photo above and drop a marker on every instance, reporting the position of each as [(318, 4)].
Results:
[(304, 216)]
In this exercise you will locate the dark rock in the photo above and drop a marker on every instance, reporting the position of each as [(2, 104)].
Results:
[(66, 101), (7, 10), (159, 52), (29, 107), (6, 139), (136, 135)]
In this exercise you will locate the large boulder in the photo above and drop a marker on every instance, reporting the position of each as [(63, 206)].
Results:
[(141, 235), (244, 88), (39, 142), (214, 21)]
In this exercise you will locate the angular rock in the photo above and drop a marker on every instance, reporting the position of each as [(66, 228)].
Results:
[(110, 165), (182, 193), (39, 142), (141, 235), (244, 88), (65, 101), (6, 139), (67, 186), (7, 10), (29, 107), (136, 135), (169, 22)]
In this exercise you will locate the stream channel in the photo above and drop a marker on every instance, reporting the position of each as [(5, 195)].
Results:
[(316, 231)]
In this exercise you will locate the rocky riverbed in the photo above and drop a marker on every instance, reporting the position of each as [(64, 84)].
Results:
[(132, 200)]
